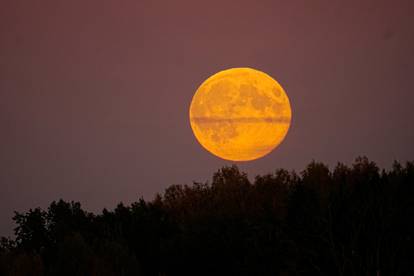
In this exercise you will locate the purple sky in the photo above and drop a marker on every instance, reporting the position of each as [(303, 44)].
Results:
[(94, 95)]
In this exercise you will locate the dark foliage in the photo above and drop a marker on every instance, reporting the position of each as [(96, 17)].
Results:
[(350, 221)]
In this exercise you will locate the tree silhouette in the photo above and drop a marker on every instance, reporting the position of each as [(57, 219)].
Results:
[(353, 220)]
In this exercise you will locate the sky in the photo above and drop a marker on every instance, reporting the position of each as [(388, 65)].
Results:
[(94, 95)]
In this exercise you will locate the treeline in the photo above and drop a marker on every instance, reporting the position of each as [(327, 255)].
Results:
[(354, 220)]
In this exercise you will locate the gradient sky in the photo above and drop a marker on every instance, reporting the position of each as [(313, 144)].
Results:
[(94, 95)]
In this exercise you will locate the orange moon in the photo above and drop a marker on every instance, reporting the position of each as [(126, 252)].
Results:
[(240, 114)]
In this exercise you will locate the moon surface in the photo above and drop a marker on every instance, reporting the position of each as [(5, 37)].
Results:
[(240, 114)]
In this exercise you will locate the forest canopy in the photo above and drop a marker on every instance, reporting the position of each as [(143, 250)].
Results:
[(351, 220)]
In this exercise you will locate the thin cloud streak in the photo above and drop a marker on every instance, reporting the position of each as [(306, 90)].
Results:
[(207, 120)]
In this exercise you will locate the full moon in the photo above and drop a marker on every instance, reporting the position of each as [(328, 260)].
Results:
[(240, 114)]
